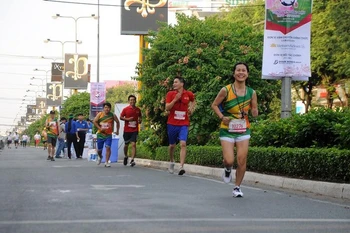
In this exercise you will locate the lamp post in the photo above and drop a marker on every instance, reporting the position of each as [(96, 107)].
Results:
[(76, 25), (36, 92), (42, 80), (62, 44)]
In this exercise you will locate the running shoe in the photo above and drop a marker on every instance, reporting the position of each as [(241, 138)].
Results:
[(48, 158), (227, 175), (107, 165), (52, 159), (237, 192), (171, 167), (125, 162), (132, 163), (99, 159), (182, 171)]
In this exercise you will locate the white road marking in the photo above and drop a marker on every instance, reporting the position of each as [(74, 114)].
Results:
[(59, 166), (112, 187), (152, 220), (64, 191)]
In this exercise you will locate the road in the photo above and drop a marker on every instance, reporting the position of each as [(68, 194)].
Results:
[(79, 196)]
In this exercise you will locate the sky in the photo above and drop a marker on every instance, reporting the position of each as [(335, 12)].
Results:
[(25, 24)]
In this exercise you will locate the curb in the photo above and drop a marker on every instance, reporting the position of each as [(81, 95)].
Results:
[(335, 190)]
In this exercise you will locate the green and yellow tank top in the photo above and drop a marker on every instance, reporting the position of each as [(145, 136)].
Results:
[(232, 106), (106, 123), (52, 127)]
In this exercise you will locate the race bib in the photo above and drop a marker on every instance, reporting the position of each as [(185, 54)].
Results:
[(179, 115), (237, 126), (104, 126), (132, 124)]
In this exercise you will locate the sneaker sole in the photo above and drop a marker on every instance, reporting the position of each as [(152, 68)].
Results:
[(182, 172)]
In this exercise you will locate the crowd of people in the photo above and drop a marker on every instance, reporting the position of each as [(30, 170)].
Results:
[(232, 105), (17, 140)]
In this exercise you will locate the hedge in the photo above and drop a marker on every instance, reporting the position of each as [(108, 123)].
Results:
[(306, 163)]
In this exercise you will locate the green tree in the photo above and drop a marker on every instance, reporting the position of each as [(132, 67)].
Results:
[(77, 103), (119, 94), (204, 53), (330, 43)]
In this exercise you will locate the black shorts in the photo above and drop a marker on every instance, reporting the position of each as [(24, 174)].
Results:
[(130, 137), (52, 141), (9, 142), (16, 141)]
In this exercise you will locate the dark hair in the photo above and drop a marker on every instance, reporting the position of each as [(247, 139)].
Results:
[(107, 104), (240, 63), (181, 79), (52, 112), (131, 96), (63, 119), (80, 114)]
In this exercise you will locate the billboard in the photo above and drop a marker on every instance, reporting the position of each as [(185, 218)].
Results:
[(76, 71), (97, 98), (57, 69), (137, 17), (31, 113), (287, 39), (41, 105), (54, 93)]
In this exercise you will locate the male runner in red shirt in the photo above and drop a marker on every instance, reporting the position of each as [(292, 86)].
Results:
[(132, 117), (180, 103)]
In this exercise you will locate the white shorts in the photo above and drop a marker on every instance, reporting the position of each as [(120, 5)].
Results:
[(237, 139)]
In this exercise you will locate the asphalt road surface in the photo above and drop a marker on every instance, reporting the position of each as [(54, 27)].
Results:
[(79, 196)]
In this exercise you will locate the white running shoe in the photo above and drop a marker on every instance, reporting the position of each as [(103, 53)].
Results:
[(107, 165), (237, 192), (171, 168), (227, 175), (99, 159)]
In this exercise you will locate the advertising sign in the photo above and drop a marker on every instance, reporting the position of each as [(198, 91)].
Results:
[(57, 70), (97, 98), (54, 93), (287, 39), (76, 71), (137, 17)]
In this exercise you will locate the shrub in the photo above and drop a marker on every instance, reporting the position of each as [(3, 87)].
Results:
[(308, 163)]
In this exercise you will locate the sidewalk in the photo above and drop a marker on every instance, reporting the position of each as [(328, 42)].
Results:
[(335, 190)]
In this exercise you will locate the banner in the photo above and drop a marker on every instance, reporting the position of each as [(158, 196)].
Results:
[(97, 98), (287, 39), (137, 17), (76, 71), (31, 113), (57, 69), (54, 93), (41, 105)]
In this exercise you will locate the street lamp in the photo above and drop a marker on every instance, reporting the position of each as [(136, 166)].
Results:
[(49, 58), (42, 80), (62, 43), (76, 24), (36, 92)]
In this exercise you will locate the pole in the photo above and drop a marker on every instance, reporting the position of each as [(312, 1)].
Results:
[(76, 36), (98, 41), (286, 97)]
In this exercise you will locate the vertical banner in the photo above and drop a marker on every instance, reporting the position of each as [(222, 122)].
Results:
[(57, 69), (31, 113), (137, 17), (97, 98), (76, 71), (41, 106), (54, 93), (287, 39)]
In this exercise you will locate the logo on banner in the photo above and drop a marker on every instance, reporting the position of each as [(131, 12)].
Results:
[(57, 71), (146, 6), (77, 73), (56, 91)]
